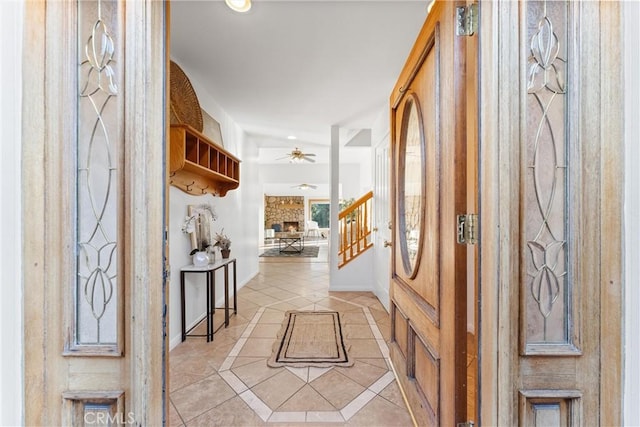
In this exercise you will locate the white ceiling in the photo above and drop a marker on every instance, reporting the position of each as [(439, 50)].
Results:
[(297, 67)]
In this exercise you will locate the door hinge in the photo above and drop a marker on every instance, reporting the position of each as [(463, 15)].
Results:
[(466, 424), (468, 229), (467, 20)]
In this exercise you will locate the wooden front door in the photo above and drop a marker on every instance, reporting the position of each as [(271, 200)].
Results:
[(93, 186), (433, 276)]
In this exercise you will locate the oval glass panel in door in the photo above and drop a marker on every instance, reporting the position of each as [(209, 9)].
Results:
[(411, 185)]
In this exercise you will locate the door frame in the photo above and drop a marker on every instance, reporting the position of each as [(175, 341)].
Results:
[(499, 51)]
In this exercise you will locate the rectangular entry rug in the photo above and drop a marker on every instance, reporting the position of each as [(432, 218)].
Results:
[(310, 338), (307, 252)]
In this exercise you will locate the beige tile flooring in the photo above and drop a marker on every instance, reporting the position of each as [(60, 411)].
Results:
[(228, 383)]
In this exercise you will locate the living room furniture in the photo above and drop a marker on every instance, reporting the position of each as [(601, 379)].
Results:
[(291, 243), (313, 229), (210, 270)]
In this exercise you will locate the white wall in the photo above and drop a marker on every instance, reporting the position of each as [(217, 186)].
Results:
[(11, 309), (365, 171), (294, 174), (238, 213), (631, 17)]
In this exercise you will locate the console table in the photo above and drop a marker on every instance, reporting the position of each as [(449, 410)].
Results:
[(209, 271)]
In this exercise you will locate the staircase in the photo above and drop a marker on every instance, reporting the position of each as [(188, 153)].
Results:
[(354, 230)]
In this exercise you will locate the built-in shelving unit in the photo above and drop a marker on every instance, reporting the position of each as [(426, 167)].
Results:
[(199, 166)]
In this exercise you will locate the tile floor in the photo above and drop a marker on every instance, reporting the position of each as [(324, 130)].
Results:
[(228, 383)]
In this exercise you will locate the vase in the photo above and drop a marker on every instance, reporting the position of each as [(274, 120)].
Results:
[(225, 253), (212, 257), (200, 259)]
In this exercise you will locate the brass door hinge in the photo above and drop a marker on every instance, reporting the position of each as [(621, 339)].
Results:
[(467, 20), (468, 229)]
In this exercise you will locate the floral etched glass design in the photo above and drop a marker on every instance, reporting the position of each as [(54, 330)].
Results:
[(97, 180), (545, 198)]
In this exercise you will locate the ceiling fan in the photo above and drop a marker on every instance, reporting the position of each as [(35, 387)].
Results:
[(305, 186), (297, 156)]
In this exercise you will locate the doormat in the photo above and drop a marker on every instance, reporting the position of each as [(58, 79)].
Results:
[(307, 252), (310, 338)]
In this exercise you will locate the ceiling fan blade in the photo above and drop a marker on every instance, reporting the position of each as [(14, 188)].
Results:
[(305, 186), (309, 154), (309, 160), (282, 158)]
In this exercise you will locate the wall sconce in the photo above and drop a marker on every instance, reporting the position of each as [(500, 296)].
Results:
[(239, 5)]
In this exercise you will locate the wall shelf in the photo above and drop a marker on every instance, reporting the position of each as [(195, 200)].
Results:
[(198, 166)]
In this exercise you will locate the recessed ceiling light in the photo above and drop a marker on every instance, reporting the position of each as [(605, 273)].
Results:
[(239, 5), (292, 137)]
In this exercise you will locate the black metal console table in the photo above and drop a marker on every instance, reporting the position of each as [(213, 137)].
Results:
[(210, 270)]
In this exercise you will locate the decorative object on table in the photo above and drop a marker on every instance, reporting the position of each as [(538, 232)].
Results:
[(223, 242), (307, 252), (211, 254), (310, 338), (198, 225), (200, 258)]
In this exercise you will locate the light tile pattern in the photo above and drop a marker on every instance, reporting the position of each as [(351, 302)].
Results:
[(228, 383)]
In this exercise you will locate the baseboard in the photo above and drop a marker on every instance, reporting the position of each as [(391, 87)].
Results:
[(349, 288), (383, 297)]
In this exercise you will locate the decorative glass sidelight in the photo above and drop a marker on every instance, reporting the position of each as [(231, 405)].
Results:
[(546, 292), (98, 176)]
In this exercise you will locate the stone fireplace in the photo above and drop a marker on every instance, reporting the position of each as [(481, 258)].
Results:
[(286, 211)]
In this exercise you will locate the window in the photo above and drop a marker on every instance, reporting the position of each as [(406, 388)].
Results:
[(319, 211)]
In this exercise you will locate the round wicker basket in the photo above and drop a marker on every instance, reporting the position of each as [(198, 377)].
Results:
[(185, 108)]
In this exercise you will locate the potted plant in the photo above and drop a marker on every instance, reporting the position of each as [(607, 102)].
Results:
[(223, 242)]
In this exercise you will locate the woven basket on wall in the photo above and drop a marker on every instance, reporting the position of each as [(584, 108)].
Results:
[(185, 108)]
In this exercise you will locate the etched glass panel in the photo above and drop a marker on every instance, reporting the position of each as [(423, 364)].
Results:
[(411, 185), (98, 139), (546, 288)]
